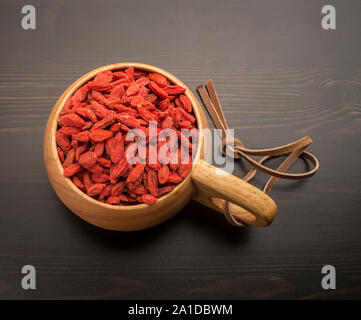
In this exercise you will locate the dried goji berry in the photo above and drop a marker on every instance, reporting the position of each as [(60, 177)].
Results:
[(100, 178), (98, 116), (157, 90), (104, 162), (117, 148), (60, 154), (117, 189), (99, 149), (78, 182), (62, 141), (152, 182), (95, 189), (133, 89), (148, 198), (186, 103), (100, 135), (72, 120), (163, 173), (99, 85), (174, 178), (106, 192), (158, 79), (69, 158), (81, 136), (113, 200), (72, 169), (69, 131), (128, 120), (173, 90), (136, 172), (106, 76), (88, 159)]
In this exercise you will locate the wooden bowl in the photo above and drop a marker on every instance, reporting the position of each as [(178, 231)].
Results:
[(204, 184)]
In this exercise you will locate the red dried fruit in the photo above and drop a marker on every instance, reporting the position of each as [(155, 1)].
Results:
[(99, 149), (69, 130), (119, 169), (100, 135), (62, 141), (119, 75), (163, 173), (72, 169), (69, 158), (174, 178), (81, 136), (106, 192), (117, 91), (173, 90), (185, 115), (146, 115), (186, 103), (158, 79), (67, 106), (142, 81), (148, 198), (95, 189), (100, 178), (157, 90), (152, 98), (100, 110), (184, 170), (136, 172), (128, 120), (107, 121), (80, 150), (87, 181), (74, 144), (104, 162), (80, 94), (88, 125), (105, 76), (130, 73), (72, 120), (60, 154), (152, 182), (137, 101), (113, 200), (96, 169), (99, 85), (118, 189), (167, 123), (117, 148), (164, 104), (78, 182), (88, 159), (133, 89), (109, 106)]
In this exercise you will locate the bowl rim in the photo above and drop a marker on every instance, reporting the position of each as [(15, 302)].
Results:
[(88, 76)]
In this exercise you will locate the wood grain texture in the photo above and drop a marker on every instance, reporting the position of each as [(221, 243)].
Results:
[(279, 77)]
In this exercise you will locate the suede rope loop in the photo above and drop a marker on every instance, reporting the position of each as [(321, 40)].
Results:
[(235, 148)]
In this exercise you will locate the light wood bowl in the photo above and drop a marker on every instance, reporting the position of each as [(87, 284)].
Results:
[(249, 204)]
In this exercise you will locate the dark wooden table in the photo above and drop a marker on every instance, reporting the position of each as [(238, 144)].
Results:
[(279, 75)]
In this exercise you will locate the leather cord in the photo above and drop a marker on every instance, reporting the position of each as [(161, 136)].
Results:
[(233, 147)]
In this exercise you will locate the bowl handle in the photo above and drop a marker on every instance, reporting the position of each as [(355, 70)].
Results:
[(248, 204)]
